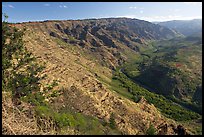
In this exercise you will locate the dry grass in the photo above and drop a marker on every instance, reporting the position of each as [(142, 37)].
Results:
[(14, 122), (21, 120)]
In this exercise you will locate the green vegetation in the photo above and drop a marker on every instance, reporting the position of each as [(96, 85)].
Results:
[(136, 98), (71, 38), (112, 121), (82, 123), (34, 99), (171, 68), (21, 76), (64, 118), (151, 130), (166, 106), (19, 69), (155, 70)]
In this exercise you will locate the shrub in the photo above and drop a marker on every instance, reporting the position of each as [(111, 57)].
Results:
[(136, 98), (151, 130), (112, 121), (61, 119), (19, 69), (35, 99)]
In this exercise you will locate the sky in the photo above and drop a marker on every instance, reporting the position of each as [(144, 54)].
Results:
[(149, 11)]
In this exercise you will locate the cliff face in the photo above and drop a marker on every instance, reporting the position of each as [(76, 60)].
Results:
[(80, 53), (103, 38)]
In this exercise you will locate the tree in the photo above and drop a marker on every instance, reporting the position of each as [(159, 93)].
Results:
[(19, 68)]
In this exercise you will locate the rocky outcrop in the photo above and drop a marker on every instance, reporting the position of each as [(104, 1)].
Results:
[(53, 34), (180, 130), (107, 41)]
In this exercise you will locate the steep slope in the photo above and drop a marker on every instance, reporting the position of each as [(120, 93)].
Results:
[(186, 27), (174, 69), (105, 36), (71, 60)]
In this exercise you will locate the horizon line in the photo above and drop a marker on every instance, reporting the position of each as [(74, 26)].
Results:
[(95, 18)]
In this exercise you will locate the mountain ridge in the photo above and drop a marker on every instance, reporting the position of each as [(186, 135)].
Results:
[(186, 27), (83, 56)]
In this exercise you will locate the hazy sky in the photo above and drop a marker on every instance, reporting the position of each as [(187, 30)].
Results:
[(150, 11)]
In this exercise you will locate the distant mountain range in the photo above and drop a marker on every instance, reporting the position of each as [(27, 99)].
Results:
[(186, 27)]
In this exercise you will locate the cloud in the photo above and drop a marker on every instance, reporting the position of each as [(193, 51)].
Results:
[(62, 6), (141, 11), (148, 18), (160, 18), (47, 5), (10, 6), (133, 7), (170, 17), (193, 3), (174, 10)]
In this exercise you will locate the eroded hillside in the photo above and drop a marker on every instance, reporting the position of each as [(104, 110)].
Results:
[(177, 64), (81, 55)]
